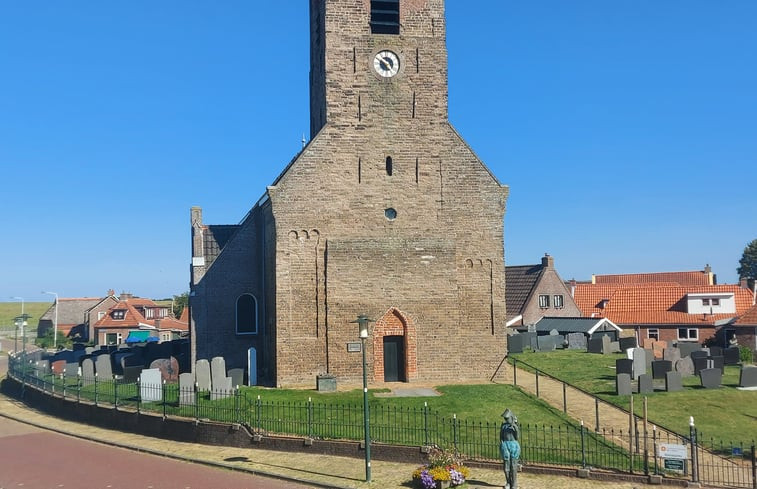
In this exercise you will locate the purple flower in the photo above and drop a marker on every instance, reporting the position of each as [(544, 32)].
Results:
[(427, 481), (456, 477)]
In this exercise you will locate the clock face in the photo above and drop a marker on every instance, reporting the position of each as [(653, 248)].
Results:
[(386, 64)]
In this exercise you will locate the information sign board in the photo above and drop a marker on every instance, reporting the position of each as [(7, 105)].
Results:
[(672, 450), (674, 464)]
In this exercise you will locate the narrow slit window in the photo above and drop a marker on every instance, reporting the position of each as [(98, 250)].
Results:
[(385, 16), (389, 166)]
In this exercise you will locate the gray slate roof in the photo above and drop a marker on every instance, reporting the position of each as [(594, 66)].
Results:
[(520, 280), (71, 311), (215, 238), (571, 325)]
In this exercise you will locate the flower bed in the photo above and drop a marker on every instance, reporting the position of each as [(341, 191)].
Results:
[(443, 470)]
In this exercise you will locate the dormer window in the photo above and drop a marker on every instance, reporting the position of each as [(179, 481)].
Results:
[(385, 16), (118, 314), (711, 302)]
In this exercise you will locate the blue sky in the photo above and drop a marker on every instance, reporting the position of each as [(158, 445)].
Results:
[(626, 130)]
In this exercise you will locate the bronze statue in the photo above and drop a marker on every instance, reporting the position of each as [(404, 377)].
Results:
[(509, 448)]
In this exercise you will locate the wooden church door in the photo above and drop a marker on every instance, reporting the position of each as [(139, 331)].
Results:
[(394, 359)]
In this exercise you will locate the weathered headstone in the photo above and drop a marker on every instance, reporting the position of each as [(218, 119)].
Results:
[(658, 347), (133, 360), (718, 362), (58, 366), (639, 356), (546, 343), (615, 347), (71, 370), (710, 377), (700, 353), (553, 332), (623, 384), (626, 343), (237, 376), (649, 358), (221, 389), (151, 385), (576, 341), (606, 345), (516, 343), (685, 367), (716, 351), (186, 389), (660, 368), (672, 355), (646, 385), (131, 374), (701, 364), (117, 361), (217, 370), (169, 369), (89, 350), (202, 375), (624, 366), (673, 382), (731, 355), (748, 376), (88, 372), (686, 348), (594, 345), (103, 367)]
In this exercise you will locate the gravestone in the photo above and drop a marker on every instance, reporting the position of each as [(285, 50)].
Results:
[(237, 376), (660, 368), (623, 384), (217, 370), (748, 376), (594, 345), (88, 372), (516, 343), (671, 354), (646, 385), (686, 348), (103, 367), (71, 370), (546, 343), (133, 360), (89, 350), (553, 332), (624, 366), (117, 361), (658, 347), (685, 367), (151, 385), (673, 382), (700, 353), (202, 375), (58, 366), (701, 364), (731, 355), (718, 362), (221, 389), (639, 356), (606, 345), (626, 343), (534, 342), (169, 369), (615, 347), (131, 374), (710, 377), (649, 358), (716, 351), (43, 367), (186, 389), (576, 341)]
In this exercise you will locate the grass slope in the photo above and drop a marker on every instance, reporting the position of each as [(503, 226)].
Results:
[(9, 310)]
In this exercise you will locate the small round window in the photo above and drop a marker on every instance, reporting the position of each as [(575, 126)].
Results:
[(390, 214)]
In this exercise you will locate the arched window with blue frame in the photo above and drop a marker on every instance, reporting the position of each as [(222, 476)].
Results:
[(247, 314)]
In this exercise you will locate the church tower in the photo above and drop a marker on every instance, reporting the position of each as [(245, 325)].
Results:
[(386, 212)]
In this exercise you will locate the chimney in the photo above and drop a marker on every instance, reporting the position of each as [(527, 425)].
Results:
[(573, 288), (743, 283), (711, 277), (547, 261), (125, 296), (111, 293)]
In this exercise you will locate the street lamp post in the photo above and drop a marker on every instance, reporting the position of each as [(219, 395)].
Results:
[(16, 320), (362, 321), (55, 320)]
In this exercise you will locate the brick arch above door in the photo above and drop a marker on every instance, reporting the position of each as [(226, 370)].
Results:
[(395, 323)]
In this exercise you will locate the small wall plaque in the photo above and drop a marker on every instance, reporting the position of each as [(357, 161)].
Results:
[(354, 347)]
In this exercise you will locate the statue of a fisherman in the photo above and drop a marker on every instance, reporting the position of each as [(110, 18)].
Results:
[(509, 448)]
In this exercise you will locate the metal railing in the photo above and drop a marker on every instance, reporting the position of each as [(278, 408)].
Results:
[(563, 445)]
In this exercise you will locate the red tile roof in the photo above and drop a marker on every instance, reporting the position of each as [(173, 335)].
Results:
[(133, 318), (680, 278), (654, 303), (749, 318)]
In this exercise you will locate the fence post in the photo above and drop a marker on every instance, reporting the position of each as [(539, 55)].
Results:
[(95, 388), (197, 402), (425, 424), (564, 398), (583, 446), (646, 442), (515, 372), (310, 417), (537, 382), (694, 458), (631, 417), (139, 394), (257, 415), (78, 388), (115, 394), (454, 431), (654, 448), (236, 406), (596, 414), (754, 468), (163, 395)]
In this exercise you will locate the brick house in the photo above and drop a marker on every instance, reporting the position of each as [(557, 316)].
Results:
[(535, 291), (75, 315), (134, 315), (662, 310), (744, 330), (386, 212)]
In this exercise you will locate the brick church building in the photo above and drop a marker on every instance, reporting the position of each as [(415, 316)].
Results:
[(386, 212)]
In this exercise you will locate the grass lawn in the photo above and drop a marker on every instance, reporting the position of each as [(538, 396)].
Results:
[(727, 413), (9, 310)]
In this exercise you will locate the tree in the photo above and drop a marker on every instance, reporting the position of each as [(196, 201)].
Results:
[(179, 303), (748, 263)]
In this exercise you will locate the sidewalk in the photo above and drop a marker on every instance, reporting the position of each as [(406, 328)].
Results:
[(308, 469)]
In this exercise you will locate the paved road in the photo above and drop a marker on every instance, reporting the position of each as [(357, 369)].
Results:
[(37, 459)]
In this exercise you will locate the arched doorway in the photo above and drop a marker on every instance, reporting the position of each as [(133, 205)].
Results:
[(394, 347)]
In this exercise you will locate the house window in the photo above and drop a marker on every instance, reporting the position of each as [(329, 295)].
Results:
[(559, 301), (112, 338), (247, 314), (688, 334), (544, 301), (100, 315), (389, 165), (714, 302), (118, 314), (653, 334), (385, 16)]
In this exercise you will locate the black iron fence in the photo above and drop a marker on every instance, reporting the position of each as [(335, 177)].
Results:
[(711, 461)]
